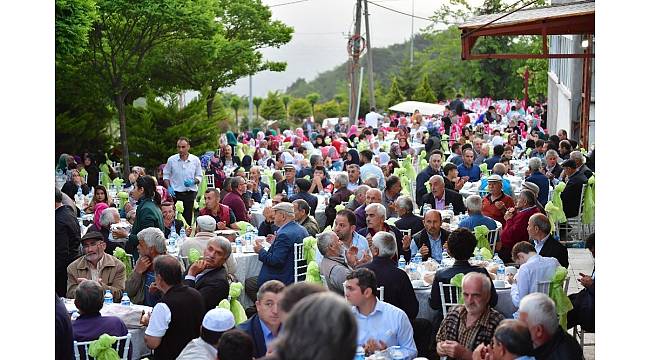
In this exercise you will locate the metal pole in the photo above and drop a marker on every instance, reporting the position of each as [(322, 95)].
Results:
[(412, 19), (355, 64), (371, 82), (359, 97), (250, 99)]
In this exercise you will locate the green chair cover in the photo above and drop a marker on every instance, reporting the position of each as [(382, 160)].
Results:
[(123, 197), (313, 273), (101, 349), (554, 208), (408, 167), (589, 201), (233, 304), (484, 169), (120, 254), (309, 248), (83, 172), (457, 281), (556, 292), (105, 178), (363, 145), (118, 182), (444, 143), (243, 225), (193, 256), (481, 232), (179, 212), (339, 207)]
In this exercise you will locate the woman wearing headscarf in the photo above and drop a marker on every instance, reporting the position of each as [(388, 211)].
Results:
[(352, 158), (405, 148), (62, 165), (91, 170), (105, 231), (320, 141)]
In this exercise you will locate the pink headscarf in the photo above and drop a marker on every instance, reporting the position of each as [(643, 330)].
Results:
[(99, 208), (352, 131)]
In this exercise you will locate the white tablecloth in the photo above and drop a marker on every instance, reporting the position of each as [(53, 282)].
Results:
[(248, 265)]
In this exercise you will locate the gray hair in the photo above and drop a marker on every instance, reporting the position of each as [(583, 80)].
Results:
[(486, 283), (302, 205), (89, 297), (386, 244), (530, 197), (372, 181), (474, 204), (405, 202), (355, 166), (499, 169), (437, 178), (534, 164), (153, 237), (542, 222), (314, 159), (541, 311), (342, 179), (551, 153), (577, 157), (362, 189), (381, 210), (514, 336), (236, 181), (106, 219), (223, 243), (324, 240)]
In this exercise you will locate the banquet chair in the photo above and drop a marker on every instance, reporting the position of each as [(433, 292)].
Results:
[(451, 292), (209, 179), (85, 178), (100, 176), (126, 340), (324, 280), (544, 286), (131, 260), (381, 293), (299, 262), (580, 336), (574, 223), (185, 261), (493, 237)]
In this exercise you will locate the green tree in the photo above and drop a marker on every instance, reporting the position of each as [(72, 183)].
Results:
[(235, 104), (257, 101), (299, 109), (408, 78), (313, 99), (327, 109), (272, 107), (285, 101), (423, 92), (394, 95), (73, 22)]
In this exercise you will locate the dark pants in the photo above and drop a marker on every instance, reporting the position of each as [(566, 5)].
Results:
[(250, 289), (187, 197), (422, 336)]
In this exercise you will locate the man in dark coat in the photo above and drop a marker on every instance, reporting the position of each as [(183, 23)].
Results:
[(573, 190), (439, 194), (67, 237), (209, 276)]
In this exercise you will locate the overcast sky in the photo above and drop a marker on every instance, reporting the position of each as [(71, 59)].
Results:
[(319, 39)]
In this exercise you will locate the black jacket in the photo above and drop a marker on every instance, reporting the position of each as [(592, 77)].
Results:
[(312, 200), (213, 287), (178, 225), (561, 346), (410, 221), (422, 238), (444, 276), (571, 194), (398, 290), (451, 196), (67, 237), (553, 248)]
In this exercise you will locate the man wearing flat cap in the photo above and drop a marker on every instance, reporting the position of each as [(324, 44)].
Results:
[(215, 323), (96, 265), (571, 194), (496, 203), (277, 261)]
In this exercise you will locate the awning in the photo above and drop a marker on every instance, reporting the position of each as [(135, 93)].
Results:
[(425, 108)]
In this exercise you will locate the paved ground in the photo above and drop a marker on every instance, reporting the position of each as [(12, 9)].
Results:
[(580, 261)]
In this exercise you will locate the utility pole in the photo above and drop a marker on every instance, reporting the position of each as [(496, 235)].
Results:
[(250, 100), (371, 82), (412, 14), (355, 52)]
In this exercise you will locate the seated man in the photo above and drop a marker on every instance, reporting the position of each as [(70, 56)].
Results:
[(235, 345), (288, 184), (435, 161), (359, 197), (301, 210), (235, 201), (169, 219), (96, 265), (440, 197), (107, 217), (373, 196), (376, 219), (550, 341), (341, 194), (475, 316), (452, 180), (538, 178), (264, 326), (511, 340), (90, 325), (539, 232), (140, 285), (267, 227), (496, 156), (584, 310), (496, 203), (390, 195), (533, 269), (215, 323), (515, 228), (430, 241), (368, 169), (354, 177), (468, 167), (500, 170), (222, 214), (209, 276), (571, 194), (205, 226), (380, 324), (408, 220), (474, 205), (176, 319), (333, 266), (302, 188), (351, 240)]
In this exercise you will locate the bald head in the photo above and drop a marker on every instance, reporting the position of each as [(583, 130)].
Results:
[(437, 185), (499, 169)]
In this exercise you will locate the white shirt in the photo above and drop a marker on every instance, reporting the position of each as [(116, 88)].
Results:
[(372, 119), (198, 349), (177, 170), (371, 169), (159, 321), (536, 269)]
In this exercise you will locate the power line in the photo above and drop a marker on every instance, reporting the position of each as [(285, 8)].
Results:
[(288, 3), (399, 12)]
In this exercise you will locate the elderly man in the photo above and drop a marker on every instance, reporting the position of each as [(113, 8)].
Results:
[(474, 317), (277, 261), (468, 167), (108, 217), (390, 195), (345, 228), (215, 323), (440, 197), (407, 219), (429, 241), (267, 227), (376, 221), (67, 236), (209, 275), (354, 177), (222, 214), (496, 203), (477, 147), (515, 228), (550, 341), (500, 170), (368, 168), (288, 184), (235, 201), (176, 319), (359, 197), (571, 194), (580, 163), (181, 175), (533, 269), (476, 218), (205, 226), (264, 326), (301, 210), (140, 285), (96, 265), (511, 341), (373, 196), (257, 187), (538, 178), (553, 169), (380, 324), (435, 161), (302, 192), (539, 232), (333, 267), (169, 219), (341, 194)]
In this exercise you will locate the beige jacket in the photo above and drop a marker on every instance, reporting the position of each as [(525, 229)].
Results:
[(111, 272)]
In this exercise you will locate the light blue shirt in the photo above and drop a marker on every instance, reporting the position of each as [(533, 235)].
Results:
[(475, 220), (268, 335), (370, 169), (536, 269), (177, 170), (389, 324), (539, 244), (436, 247)]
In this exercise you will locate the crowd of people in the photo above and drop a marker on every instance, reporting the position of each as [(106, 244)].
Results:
[(373, 216)]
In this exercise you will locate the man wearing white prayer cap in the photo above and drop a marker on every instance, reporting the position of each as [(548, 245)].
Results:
[(215, 323)]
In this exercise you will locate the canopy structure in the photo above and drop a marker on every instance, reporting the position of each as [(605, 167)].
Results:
[(425, 108)]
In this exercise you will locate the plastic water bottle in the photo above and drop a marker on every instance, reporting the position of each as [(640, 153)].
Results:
[(238, 244), (361, 354), (181, 238), (265, 197), (402, 262), (108, 297), (479, 256), (450, 207), (172, 241), (125, 299), (396, 353), (417, 259), (79, 198), (501, 270)]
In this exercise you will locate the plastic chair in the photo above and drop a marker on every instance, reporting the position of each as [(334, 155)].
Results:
[(185, 261), (453, 294), (544, 286), (381, 293), (493, 237), (210, 180), (299, 262), (116, 345)]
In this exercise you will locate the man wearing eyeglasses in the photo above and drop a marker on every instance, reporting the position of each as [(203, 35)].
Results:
[(96, 265), (264, 326), (511, 340)]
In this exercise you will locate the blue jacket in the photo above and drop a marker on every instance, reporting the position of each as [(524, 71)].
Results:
[(542, 183), (312, 200), (253, 328), (277, 262), (473, 172)]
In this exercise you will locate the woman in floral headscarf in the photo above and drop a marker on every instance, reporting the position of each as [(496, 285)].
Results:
[(405, 148)]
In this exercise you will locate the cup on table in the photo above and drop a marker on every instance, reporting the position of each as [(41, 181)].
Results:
[(499, 284)]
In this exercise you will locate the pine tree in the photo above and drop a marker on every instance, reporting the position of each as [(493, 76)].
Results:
[(423, 92), (394, 95)]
